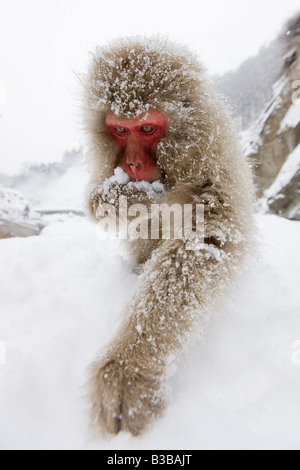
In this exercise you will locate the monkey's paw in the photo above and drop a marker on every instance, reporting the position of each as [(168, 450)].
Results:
[(124, 396)]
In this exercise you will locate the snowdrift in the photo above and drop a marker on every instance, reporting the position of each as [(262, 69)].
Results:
[(61, 297)]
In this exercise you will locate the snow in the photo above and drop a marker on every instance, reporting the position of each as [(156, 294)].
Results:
[(12, 205), (139, 329), (250, 138), (64, 192), (287, 172), (120, 177), (14, 208), (250, 141), (111, 188), (273, 104), (151, 190), (291, 119), (61, 298)]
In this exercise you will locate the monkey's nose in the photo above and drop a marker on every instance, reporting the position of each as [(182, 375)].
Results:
[(134, 166)]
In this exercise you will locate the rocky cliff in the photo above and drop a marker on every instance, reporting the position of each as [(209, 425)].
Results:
[(273, 143)]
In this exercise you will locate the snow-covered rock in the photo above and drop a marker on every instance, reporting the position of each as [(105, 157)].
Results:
[(291, 119), (13, 206), (272, 144), (283, 197), (277, 131), (17, 219)]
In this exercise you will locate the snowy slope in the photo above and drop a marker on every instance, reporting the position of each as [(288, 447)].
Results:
[(61, 296), (13, 206), (274, 137), (60, 192)]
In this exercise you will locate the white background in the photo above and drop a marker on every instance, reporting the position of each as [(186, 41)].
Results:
[(43, 44)]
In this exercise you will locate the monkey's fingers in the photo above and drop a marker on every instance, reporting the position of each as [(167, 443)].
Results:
[(124, 398), (105, 391)]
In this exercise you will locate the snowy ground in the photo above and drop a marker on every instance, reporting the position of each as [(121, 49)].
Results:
[(61, 295)]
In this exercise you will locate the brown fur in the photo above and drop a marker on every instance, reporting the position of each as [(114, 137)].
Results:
[(201, 163)]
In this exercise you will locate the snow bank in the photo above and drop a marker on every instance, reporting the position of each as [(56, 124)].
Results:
[(61, 296)]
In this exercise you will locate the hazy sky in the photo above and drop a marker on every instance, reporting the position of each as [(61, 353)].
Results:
[(42, 43)]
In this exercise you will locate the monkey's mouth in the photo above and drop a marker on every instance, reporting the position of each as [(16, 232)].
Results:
[(142, 173)]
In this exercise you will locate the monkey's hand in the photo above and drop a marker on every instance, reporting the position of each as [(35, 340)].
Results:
[(125, 395)]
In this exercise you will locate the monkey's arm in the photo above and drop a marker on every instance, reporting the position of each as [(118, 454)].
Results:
[(171, 301)]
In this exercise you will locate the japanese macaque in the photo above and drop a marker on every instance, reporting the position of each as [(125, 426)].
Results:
[(150, 111), (138, 140)]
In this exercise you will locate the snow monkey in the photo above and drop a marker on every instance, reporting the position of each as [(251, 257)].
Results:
[(154, 122)]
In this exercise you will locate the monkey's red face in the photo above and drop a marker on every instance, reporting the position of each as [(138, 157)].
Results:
[(138, 139)]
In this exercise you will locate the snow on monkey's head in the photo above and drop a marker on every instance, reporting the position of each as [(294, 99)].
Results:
[(133, 77)]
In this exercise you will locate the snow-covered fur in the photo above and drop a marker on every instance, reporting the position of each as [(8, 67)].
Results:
[(201, 162)]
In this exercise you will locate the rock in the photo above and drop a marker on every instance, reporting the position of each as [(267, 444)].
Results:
[(283, 197), (10, 229), (277, 134), (273, 144)]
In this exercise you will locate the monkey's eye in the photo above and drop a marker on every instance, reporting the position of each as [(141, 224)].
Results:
[(147, 129), (120, 130)]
